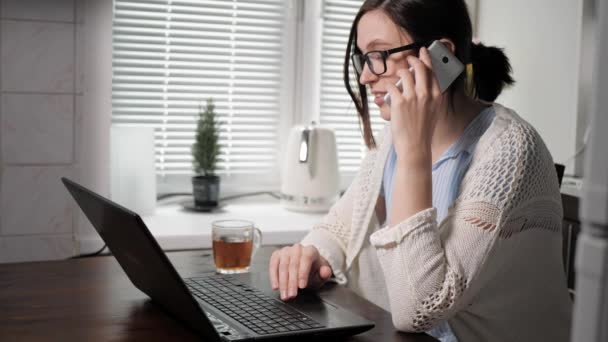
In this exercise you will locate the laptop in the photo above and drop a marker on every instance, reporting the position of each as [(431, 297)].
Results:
[(217, 307)]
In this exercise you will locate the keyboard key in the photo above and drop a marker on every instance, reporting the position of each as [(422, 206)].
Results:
[(303, 326)]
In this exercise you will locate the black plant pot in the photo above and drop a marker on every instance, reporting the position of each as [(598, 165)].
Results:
[(206, 190)]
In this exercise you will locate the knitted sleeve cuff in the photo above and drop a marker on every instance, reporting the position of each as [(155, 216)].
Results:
[(394, 235), (329, 249)]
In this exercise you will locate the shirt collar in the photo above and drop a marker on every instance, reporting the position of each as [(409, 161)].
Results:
[(470, 136)]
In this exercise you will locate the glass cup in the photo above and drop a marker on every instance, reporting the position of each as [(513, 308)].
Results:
[(234, 244)]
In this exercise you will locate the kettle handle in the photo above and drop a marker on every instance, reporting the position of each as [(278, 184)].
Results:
[(306, 144)]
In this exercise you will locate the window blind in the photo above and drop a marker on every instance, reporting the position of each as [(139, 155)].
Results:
[(170, 56), (337, 109)]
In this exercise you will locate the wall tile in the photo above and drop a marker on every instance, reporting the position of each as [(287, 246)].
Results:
[(37, 129), (37, 56), (36, 248), (57, 10), (34, 201)]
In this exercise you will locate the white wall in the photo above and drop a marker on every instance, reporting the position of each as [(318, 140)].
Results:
[(541, 38), (37, 126), (53, 115)]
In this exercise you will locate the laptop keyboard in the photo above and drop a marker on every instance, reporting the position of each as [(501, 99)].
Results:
[(249, 306)]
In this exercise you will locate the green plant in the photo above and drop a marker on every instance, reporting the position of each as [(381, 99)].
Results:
[(206, 148)]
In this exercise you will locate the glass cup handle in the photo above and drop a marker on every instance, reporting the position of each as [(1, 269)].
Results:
[(257, 240)]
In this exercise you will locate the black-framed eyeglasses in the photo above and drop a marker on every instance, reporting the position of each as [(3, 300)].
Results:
[(376, 59)]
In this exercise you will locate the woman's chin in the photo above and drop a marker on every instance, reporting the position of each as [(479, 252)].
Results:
[(385, 113)]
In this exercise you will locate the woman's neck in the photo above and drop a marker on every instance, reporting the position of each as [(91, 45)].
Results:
[(452, 124)]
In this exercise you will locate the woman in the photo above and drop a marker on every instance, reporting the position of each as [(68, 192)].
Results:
[(453, 222)]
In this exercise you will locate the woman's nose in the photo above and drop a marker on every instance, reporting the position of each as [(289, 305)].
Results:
[(367, 76)]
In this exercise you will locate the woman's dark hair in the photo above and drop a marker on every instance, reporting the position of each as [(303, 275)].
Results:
[(425, 21)]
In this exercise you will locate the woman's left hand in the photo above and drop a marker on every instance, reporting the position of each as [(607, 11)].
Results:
[(415, 110)]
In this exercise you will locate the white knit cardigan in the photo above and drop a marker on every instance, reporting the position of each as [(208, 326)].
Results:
[(492, 268)]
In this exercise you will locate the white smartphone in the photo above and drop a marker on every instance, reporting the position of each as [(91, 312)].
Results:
[(446, 66)]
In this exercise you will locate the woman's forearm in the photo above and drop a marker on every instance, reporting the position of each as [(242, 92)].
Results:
[(412, 185)]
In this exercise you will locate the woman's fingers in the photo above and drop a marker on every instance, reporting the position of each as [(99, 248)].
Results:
[(406, 91), (297, 267), (273, 269), (421, 76), (294, 269), (306, 262), (407, 82), (284, 272), (414, 115), (394, 92), (325, 272), (425, 58), (320, 273)]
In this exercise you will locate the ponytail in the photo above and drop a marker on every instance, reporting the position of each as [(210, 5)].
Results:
[(492, 71)]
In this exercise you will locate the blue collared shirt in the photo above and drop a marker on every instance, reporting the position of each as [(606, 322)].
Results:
[(447, 174)]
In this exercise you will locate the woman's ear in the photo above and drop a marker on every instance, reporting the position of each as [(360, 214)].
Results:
[(450, 45)]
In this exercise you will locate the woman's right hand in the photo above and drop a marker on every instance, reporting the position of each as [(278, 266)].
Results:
[(296, 267)]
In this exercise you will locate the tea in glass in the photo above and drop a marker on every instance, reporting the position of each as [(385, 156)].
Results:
[(234, 243)]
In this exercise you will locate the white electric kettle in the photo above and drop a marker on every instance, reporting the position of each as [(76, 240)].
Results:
[(310, 180)]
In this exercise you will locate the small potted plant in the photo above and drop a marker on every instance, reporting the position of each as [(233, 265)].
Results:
[(206, 184)]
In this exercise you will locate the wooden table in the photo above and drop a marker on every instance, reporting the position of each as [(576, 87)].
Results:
[(91, 299)]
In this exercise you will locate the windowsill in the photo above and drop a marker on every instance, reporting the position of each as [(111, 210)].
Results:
[(176, 229)]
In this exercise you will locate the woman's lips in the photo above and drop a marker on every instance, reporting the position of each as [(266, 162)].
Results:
[(379, 99)]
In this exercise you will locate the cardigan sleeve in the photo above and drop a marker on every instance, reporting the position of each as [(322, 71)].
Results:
[(331, 235), (430, 276)]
